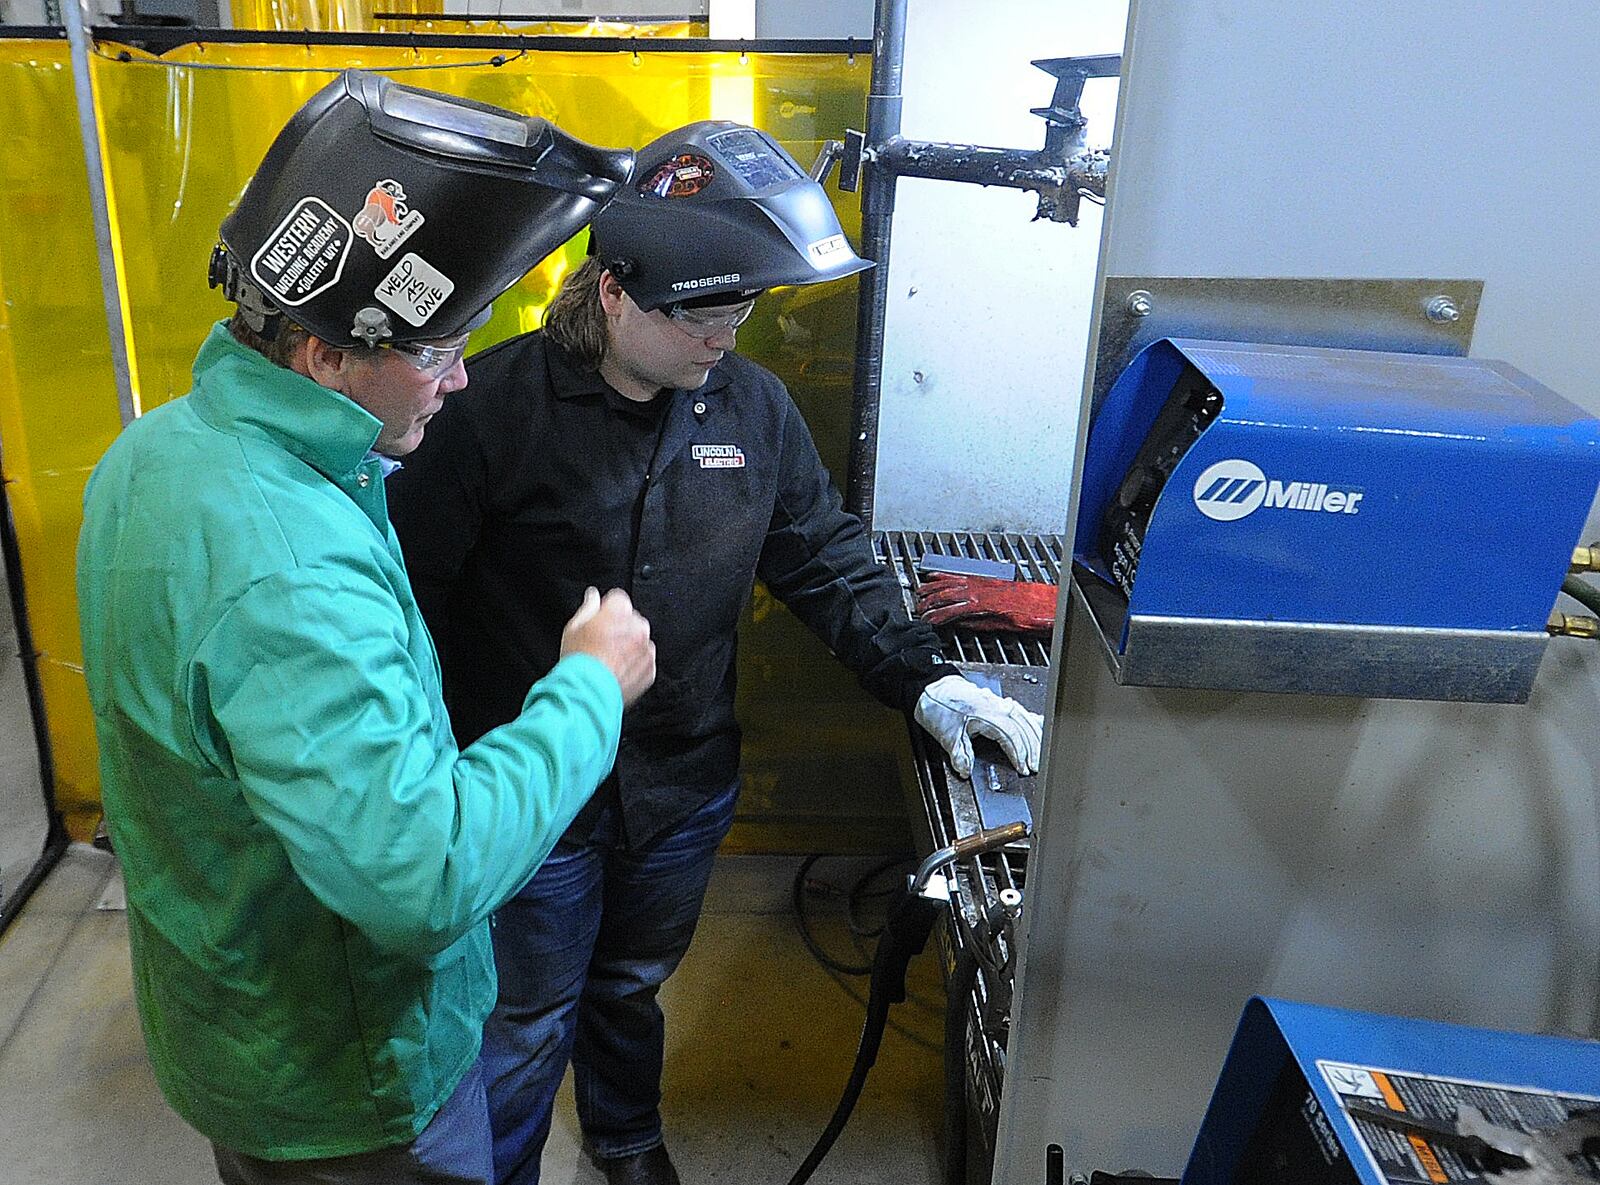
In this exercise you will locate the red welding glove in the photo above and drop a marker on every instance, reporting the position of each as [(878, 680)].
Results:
[(984, 604)]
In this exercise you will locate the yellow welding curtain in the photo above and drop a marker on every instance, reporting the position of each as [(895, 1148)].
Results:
[(182, 133), (58, 400)]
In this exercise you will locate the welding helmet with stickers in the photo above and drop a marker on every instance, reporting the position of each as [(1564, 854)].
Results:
[(383, 213), (717, 212)]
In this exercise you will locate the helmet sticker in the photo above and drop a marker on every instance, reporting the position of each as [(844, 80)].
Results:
[(749, 154), (414, 288), (825, 249), (305, 255), (386, 220), (683, 175)]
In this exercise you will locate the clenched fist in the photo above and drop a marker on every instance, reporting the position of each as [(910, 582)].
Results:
[(611, 630)]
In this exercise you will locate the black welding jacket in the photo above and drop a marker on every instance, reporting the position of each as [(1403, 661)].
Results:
[(539, 480)]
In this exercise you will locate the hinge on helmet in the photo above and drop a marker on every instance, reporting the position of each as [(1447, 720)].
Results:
[(260, 314)]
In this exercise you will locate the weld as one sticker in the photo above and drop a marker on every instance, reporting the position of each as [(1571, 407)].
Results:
[(386, 221), (305, 255), (718, 456), (415, 288)]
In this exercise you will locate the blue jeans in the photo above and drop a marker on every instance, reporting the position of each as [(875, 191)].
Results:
[(581, 952), (452, 1150)]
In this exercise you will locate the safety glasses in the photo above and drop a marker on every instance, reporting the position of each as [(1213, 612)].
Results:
[(703, 322), (432, 359)]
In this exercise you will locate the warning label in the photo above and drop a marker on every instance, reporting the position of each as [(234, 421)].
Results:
[(305, 255), (1418, 1129)]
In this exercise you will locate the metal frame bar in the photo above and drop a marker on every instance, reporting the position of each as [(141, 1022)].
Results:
[(100, 208), (56, 838), (161, 38)]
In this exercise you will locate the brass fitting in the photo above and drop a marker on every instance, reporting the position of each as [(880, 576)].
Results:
[(1586, 559), (1573, 625)]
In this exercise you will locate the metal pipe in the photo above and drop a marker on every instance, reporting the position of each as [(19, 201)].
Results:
[(1058, 180), (884, 104), (88, 129)]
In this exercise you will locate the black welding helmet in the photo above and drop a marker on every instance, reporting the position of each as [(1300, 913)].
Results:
[(716, 213), (386, 213)]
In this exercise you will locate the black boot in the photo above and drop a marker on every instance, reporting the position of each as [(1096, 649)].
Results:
[(650, 1167)]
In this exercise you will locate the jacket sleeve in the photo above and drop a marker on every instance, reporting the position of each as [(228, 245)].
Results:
[(818, 560), (305, 688)]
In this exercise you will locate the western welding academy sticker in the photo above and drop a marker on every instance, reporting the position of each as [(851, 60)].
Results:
[(415, 288), (718, 456), (305, 255), (386, 221)]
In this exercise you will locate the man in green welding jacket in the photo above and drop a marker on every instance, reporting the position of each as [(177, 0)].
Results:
[(310, 861)]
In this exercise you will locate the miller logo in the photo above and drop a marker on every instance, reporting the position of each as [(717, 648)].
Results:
[(1230, 490)]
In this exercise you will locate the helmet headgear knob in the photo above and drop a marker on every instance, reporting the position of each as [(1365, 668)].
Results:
[(372, 326)]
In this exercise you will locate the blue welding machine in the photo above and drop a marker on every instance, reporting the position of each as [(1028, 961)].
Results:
[(1292, 518), (1325, 1096)]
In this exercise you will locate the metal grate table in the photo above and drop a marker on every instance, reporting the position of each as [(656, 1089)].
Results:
[(949, 806)]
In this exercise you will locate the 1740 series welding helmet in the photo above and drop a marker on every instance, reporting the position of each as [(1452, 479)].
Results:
[(383, 213), (716, 213)]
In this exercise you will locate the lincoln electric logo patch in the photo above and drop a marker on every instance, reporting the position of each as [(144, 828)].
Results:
[(718, 456), (1230, 490)]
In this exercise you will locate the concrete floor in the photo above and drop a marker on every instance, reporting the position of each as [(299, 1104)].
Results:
[(760, 1040)]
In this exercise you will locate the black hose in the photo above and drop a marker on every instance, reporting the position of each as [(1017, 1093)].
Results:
[(1583, 592), (957, 999), (904, 935), (797, 894)]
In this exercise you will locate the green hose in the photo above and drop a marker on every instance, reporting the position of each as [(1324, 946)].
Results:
[(1583, 592)]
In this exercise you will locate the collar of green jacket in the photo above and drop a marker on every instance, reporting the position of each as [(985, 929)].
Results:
[(237, 390)]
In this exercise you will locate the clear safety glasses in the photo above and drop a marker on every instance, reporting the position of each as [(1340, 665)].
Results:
[(433, 359), (703, 322)]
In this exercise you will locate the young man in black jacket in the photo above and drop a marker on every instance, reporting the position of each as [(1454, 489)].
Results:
[(627, 445)]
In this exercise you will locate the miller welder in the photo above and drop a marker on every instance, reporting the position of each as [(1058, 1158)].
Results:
[(1348, 522)]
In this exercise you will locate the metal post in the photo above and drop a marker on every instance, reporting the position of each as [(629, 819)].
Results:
[(877, 211), (78, 39)]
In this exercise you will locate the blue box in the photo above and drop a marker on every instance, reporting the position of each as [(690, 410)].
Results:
[(1292, 1101), (1338, 502)]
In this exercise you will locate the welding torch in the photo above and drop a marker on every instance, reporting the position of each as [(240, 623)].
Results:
[(911, 920)]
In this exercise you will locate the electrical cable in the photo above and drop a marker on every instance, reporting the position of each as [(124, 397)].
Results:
[(905, 934), (858, 893), (1583, 592), (853, 897), (797, 895)]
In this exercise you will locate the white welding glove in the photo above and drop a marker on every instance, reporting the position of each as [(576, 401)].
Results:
[(954, 710)]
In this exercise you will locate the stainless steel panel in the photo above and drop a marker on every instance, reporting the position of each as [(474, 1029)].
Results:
[(1385, 662), (1346, 314), (1433, 859), (1194, 848)]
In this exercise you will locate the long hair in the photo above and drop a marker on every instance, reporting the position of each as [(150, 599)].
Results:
[(575, 320)]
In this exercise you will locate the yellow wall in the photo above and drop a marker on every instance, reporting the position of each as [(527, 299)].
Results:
[(181, 136)]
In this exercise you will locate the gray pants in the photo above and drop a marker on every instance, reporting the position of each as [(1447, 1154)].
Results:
[(454, 1149)]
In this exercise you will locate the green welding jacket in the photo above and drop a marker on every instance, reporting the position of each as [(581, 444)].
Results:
[(310, 861)]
